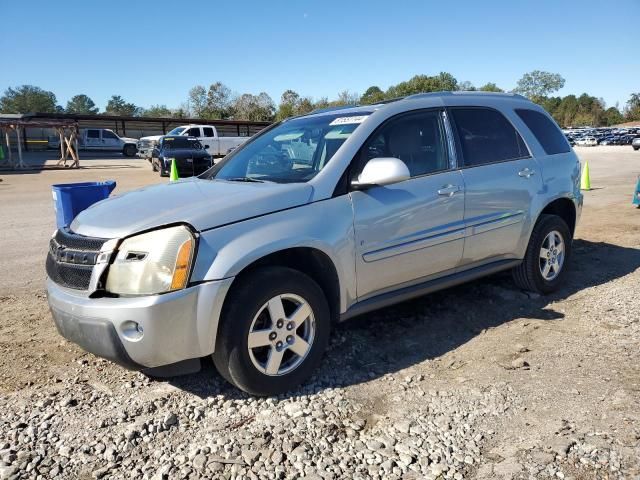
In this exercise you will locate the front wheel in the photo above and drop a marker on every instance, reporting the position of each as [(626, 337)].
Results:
[(129, 150), (274, 329), (544, 265)]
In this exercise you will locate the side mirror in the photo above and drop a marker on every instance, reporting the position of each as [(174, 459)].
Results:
[(206, 146), (381, 171)]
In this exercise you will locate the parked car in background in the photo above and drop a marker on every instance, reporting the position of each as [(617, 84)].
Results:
[(635, 143), (191, 157), (101, 139), (207, 135), (254, 261), (587, 142)]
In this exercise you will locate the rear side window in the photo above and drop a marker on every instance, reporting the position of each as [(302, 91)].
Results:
[(486, 136), (207, 131), (93, 133), (545, 131)]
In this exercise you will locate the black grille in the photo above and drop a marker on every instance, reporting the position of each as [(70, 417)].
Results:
[(71, 259), (69, 275), (68, 239)]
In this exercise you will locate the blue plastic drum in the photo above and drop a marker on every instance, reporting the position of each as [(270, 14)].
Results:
[(69, 199)]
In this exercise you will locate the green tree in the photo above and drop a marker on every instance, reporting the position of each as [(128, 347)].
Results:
[(219, 101), (81, 104), (372, 95), (632, 110), (305, 105), (346, 97), (198, 101), (288, 106), (28, 99), (538, 84), (612, 116), (466, 86), (254, 107), (422, 84), (157, 111), (490, 87), (118, 106)]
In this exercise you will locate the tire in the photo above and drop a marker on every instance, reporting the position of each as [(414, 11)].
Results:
[(636, 148), (247, 309), (154, 166), (129, 150), (529, 274)]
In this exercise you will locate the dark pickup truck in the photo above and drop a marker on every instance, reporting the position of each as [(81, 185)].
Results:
[(190, 156)]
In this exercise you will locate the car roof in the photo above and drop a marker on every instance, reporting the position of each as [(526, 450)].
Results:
[(443, 98)]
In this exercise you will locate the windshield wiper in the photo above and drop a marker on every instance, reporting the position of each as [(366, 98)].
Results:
[(243, 179)]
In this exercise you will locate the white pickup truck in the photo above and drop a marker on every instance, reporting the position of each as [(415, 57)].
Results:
[(101, 139), (207, 135)]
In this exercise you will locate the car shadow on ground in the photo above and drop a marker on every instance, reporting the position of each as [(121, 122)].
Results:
[(389, 340)]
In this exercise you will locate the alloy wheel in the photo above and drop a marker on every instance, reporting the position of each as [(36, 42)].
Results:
[(552, 255), (281, 334)]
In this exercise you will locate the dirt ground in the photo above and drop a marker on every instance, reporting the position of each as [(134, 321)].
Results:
[(568, 364)]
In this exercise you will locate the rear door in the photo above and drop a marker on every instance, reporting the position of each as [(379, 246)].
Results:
[(412, 230), (501, 179), (92, 139)]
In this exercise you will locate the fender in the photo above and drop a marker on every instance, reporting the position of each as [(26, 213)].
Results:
[(325, 225)]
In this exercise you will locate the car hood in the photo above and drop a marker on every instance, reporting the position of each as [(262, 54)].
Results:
[(180, 154), (203, 204), (152, 137), (129, 140)]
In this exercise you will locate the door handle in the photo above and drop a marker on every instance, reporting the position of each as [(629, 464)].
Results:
[(449, 190), (526, 173)]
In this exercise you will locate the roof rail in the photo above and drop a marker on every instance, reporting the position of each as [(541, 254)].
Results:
[(464, 92), (331, 109)]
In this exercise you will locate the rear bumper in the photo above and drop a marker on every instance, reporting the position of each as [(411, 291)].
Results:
[(172, 327)]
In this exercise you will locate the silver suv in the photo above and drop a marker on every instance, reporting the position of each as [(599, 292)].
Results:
[(318, 219)]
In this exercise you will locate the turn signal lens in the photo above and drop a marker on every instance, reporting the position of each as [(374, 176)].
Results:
[(181, 270)]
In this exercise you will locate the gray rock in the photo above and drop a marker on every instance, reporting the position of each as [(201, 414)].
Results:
[(170, 419)]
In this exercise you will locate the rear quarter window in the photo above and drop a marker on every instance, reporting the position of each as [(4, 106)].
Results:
[(546, 132)]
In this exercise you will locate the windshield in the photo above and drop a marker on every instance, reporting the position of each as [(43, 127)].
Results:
[(175, 143), (177, 131), (294, 151)]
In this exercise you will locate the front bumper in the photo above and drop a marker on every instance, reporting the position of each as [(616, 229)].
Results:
[(175, 326)]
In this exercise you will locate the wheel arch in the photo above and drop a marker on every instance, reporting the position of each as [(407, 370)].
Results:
[(564, 208), (311, 261)]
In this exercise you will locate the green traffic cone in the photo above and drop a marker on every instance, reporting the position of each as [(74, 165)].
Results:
[(173, 176), (585, 179)]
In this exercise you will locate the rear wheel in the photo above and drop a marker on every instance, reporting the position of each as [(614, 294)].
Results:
[(154, 166), (549, 249), (274, 329)]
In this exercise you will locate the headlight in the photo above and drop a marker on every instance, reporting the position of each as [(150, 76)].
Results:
[(153, 262)]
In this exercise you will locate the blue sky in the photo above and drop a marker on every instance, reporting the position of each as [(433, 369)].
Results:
[(154, 52)]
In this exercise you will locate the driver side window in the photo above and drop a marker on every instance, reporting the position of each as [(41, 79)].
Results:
[(416, 138)]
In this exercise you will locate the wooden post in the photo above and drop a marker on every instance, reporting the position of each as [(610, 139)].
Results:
[(75, 142), (20, 163), (61, 135), (9, 153)]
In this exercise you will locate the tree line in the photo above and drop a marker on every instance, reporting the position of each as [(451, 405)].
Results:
[(218, 101)]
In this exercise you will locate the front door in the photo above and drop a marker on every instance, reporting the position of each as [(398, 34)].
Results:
[(501, 181), (110, 141), (413, 230)]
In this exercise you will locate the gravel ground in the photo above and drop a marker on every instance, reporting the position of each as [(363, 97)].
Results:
[(480, 381)]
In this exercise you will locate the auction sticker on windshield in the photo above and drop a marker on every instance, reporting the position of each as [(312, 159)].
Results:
[(349, 120)]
